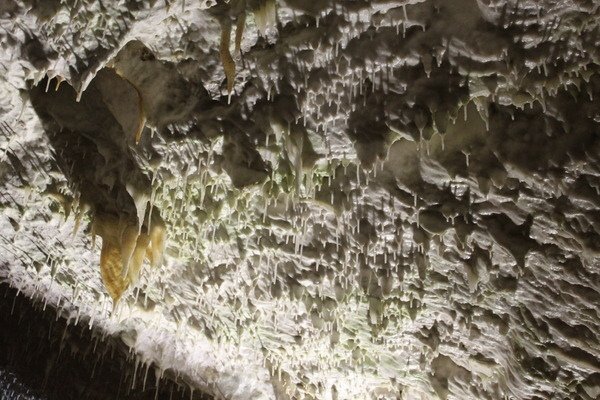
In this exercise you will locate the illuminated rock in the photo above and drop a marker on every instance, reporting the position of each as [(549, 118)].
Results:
[(350, 199)]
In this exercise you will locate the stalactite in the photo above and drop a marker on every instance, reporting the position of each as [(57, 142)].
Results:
[(226, 59), (265, 15), (239, 33), (124, 249)]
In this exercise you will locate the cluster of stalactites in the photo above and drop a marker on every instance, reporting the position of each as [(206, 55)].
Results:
[(265, 17), (124, 248)]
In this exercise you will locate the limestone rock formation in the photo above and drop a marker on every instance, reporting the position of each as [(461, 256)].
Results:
[(349, 199)]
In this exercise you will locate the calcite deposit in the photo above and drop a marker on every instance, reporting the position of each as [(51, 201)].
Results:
[(311, 199)]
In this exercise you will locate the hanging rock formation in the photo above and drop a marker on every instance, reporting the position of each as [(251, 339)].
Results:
[(387, 199)]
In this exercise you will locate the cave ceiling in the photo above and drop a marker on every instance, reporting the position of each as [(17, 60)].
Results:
[(312, 199)]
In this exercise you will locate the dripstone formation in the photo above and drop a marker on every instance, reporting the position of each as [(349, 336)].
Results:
[(293, 199)]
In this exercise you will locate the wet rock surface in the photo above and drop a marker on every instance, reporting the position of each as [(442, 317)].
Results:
[(361, 199)]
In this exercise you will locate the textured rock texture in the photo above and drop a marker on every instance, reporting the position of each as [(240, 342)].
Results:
[(340, 199)]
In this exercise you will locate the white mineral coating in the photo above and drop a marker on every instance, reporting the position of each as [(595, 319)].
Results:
[(397, 199)]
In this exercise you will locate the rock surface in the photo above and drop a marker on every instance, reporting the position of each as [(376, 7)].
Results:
[(360, 199)]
